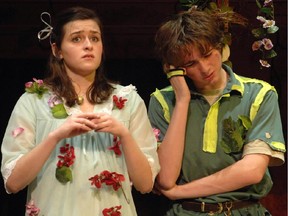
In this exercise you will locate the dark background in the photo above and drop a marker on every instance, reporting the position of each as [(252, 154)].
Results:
[(129, 28)]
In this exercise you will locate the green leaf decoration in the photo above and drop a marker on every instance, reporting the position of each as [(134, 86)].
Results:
[(246, 122), (63, 174), (272, 29), (266, 10), (37, 89), (234, 133), (270, 54), (58, 111), (258, 33)]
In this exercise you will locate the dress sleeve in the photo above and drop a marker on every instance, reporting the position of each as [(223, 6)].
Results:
[(266, 125), (142, 132), (19, 136)]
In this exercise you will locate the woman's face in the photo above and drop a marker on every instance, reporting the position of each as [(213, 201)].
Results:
[(81, 48)]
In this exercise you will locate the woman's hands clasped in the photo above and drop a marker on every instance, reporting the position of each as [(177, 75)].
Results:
[(77, 124)]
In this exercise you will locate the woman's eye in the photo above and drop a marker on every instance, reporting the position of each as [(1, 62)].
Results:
[(95, 39), (76, 39)]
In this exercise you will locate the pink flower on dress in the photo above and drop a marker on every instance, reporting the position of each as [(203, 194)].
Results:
[(31, 208), (156, 132), (28, 84), (17, 131), (53, 101)]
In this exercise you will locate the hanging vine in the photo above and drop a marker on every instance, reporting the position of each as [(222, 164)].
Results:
[(263, 34)]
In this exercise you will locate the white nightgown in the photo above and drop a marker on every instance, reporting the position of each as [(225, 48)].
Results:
[(78, 197)]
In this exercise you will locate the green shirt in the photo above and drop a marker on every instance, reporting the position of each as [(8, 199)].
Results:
[(210, 145)]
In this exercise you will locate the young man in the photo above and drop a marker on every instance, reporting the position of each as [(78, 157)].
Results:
[(219, 131)]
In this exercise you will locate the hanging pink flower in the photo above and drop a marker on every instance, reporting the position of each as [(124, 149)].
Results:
[(264, 63), (268, 45), (267, 3), (256, 45)]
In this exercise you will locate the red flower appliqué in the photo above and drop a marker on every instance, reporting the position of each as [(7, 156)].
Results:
[(68, 156), (66, 159), (119, 102), (113, 211), (109, 178), (116, 146)]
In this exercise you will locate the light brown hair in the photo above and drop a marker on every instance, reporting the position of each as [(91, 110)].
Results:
[(183, 30)]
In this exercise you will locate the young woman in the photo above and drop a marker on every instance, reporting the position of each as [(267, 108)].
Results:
[(75, 139)]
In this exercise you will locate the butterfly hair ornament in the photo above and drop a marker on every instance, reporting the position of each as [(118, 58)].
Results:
[(47, 31)]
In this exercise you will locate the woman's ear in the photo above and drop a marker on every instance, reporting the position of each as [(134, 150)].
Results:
[(56, 52)]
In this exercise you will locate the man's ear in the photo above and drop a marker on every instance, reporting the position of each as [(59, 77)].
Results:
[(56, 52)]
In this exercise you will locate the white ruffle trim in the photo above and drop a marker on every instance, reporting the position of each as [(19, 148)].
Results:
[(7, 170)]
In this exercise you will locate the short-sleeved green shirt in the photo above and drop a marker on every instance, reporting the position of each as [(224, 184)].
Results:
[(208, 145)]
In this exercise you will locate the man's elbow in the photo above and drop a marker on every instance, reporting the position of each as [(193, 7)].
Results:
[(165, 183)]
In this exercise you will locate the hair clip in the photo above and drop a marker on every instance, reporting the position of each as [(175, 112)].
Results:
[(46, 32), (176, 72)]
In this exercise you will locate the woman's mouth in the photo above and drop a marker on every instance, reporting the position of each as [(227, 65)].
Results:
[(88, 56)]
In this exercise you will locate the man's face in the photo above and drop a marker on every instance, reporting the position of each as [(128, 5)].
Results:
[(204, 70)]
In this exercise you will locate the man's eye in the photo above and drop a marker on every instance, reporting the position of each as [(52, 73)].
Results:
[(207, 55), (190, 64)]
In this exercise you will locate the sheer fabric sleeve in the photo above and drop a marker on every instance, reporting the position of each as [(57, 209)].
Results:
[(19, 137)]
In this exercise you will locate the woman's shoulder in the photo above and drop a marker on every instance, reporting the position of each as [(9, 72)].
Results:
[(122, 91)]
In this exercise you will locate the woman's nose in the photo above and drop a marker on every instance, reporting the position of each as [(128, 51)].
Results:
[(87, 44)]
